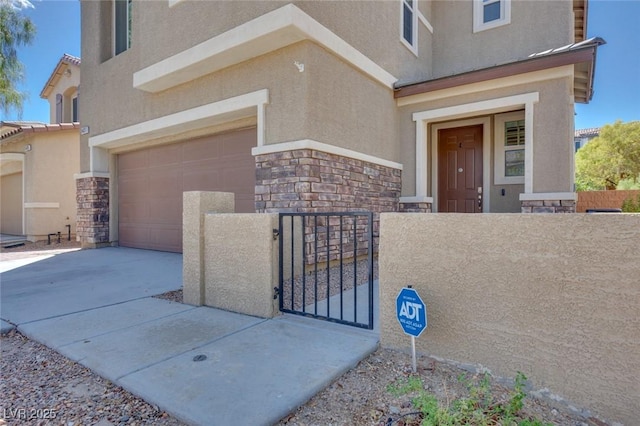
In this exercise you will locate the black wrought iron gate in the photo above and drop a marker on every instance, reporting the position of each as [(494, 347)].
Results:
[(326, 266)]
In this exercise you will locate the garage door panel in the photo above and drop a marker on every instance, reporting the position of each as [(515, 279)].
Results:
[(133, 236), (132, 185), (162, 237), (200, 150), (163, 211), (138, 160), (134, 213), (165, 183), (202, 180), (165, 155), (151, 183)]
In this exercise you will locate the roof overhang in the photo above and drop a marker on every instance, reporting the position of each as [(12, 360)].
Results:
[(65, 62), (11, 130), (579, 20), (581, 55)]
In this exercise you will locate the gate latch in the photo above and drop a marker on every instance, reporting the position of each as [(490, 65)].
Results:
[(276, 293)]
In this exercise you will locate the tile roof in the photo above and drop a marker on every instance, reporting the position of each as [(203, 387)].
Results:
[(593, 131), (63, 63), (8, 129)]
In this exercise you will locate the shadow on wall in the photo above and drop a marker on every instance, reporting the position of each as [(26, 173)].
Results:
[(553, 296)]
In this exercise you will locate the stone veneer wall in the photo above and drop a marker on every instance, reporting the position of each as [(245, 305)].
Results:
[(421, 207), (549, 206), (310, 181), (92, 222), (306, 180)]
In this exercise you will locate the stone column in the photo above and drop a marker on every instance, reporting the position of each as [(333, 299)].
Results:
[(92, 222)]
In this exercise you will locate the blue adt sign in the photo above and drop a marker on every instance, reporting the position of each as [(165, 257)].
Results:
[(411, 312)]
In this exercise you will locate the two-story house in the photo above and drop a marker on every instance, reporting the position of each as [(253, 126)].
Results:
[(404, 105), (38, 162)]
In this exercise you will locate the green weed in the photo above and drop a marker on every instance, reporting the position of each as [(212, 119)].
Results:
[(480, 408)]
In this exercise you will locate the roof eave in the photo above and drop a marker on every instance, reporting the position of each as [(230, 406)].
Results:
[(64, 62), (582, 55)]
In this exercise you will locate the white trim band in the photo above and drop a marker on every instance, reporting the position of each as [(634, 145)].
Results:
[(91, 175), (41, 205), (544, 196), (416, 200), (319, 146), (267, 33), (238, 107)]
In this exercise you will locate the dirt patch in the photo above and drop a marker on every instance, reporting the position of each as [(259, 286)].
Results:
[(362, 397)]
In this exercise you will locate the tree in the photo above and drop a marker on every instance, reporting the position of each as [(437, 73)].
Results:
[(15, 30), (612, 157)]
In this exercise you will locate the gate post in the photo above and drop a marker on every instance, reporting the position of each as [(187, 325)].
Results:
[(194, 206)]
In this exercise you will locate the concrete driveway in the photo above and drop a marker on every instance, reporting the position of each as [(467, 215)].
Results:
[(95, 307), (80, 280)]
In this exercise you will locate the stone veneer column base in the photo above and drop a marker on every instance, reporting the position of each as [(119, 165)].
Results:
[(415, 207), (92, 222), (549, 206)]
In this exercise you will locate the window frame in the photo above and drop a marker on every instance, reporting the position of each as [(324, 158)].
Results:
[(412, 5), (478, 15), (500, 148), (116, 26)]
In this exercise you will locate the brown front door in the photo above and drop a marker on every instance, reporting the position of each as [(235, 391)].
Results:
[(460, 170)]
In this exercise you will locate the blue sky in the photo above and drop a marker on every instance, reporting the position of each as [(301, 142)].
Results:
[(617, 82)]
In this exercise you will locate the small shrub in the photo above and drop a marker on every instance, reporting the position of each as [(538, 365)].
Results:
[(480, 408), (631, 206)]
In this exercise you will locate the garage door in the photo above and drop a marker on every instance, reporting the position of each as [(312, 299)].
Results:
[(151, 182)]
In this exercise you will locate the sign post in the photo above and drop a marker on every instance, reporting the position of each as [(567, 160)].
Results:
[(412, 316)]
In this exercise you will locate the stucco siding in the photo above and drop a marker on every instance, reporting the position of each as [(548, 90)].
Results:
[(322, 103), (11, 204), (552, 131), (553, 296), (535, 26), (49, 185)]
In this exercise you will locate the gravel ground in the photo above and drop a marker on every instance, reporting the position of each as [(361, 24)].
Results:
[(38, 386), (37, 382), (361, 272)]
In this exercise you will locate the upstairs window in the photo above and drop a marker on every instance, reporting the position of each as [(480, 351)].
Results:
[(122, 25), (409, 25), (489, 14)]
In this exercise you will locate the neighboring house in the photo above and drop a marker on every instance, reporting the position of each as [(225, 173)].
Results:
[(406, 105), (38, 162), (583, 136)]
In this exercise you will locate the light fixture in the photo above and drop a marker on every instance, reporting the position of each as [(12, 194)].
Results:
[(67, 72), (27, 147)]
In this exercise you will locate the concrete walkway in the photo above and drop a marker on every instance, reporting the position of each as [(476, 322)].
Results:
[(205, 366)]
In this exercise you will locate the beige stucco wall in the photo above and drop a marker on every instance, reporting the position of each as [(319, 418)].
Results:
[(67, 86), (322, 103), (49, 169), (552, 129), (553, 296), (330, 101), (231, 243), (195, 204), (11, 204), (535, 27)]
